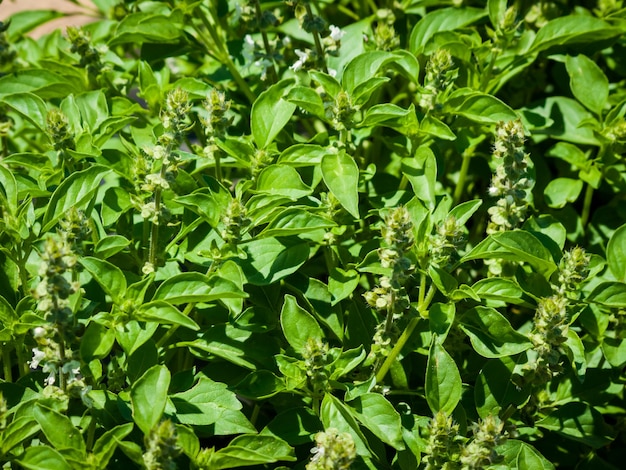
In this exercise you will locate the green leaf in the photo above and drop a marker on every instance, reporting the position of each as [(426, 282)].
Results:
[(9, 187), (133, 334), (588, 82), (300, 155), (164, 313), (560, 191), (579, 422), (495, 389), (29, 106), (518, 455), (43, 83), (40, 457), (614, 350), (616, 253), (294, 221), (443, 380), (271, 112), (341, 175), (335, 414), (210, 403), (515, 245), (609, 294), (342, 283), (148, 396), (106, 444), (363, 68), (298, 325), (23, 22), (260, 384), (440, 319), (575, 351), (421, 171), (59, 430), (110, 245), (307, 99), (76, 190), (250, 450), (270, 259), (282, 180), (442, 19), (196, 287), (465, 210), (145, 27), (491, 334), (390, 115), (573, 29), (109, 276), (295, 425), (18, 432), (97, 342), (380, 417), (478, 107), (504, 290)]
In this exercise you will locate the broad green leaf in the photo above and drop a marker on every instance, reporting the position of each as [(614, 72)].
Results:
[(588, 82), (298, 325), (335, 414), (442, 19), (363, 68), (164, 313), (271, 112), (109, 276), (76, 190), (389, 115), (465, 210), (59, 430), (250, 450), (579, 422), (210, 203), (443, 380), (575, 351), (363, 92), (111, 245), (294, 221), (435, 127), (560, 191), (440, 319), (342, 283), (478, 107), (421, 171), (307, 99), (9, 188), (609, 294), (380, 417), (17, 432), (133, 334), (149, 85), (211, 403), (443, 280), (106, 444), (295, 425), (196, 287), (504, 290), (148, 396), (573, 29), (282, 180), (491, 334), (40, 457), (495, 389), (271, 259), (300, 155), (41, 82), (341, 175), (97, 342), (518, 455), (29, 106), (515, 245), (146, 27), (238, 346), (616, 253), (260, 384), (23, 22), (614, 350)]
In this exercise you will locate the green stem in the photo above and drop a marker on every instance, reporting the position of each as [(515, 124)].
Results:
[(321, 58), (6, 363), (165, 338), (587, 205), (406, 334), (218, 165), (22, 363), (91, 433), (224, 56), (266, 41), (460, 184), (255, 414)]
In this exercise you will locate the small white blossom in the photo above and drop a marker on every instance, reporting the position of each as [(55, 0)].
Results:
[(302, 58), (51, 369), (38, 356), (332, 72), (336, 33), (72, 370)]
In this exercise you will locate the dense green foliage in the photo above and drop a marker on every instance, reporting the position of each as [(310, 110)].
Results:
[(314, 234)]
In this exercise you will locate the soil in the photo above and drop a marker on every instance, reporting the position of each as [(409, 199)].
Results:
[(76, 15)]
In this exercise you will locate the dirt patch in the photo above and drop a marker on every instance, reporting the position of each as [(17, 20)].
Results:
[(76, 15)]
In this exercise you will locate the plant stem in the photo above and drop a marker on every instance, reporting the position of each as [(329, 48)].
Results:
[(321, 59), (91, 433), (224, 56), (460, 184), (587, 205), (266, 41), (6, 363)]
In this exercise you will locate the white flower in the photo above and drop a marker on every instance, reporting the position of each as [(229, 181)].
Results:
[(38, 356), (302, 58), (72, 370), (332, 72), (52, 372), (336, 33), (39, 332), (249, 48)]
